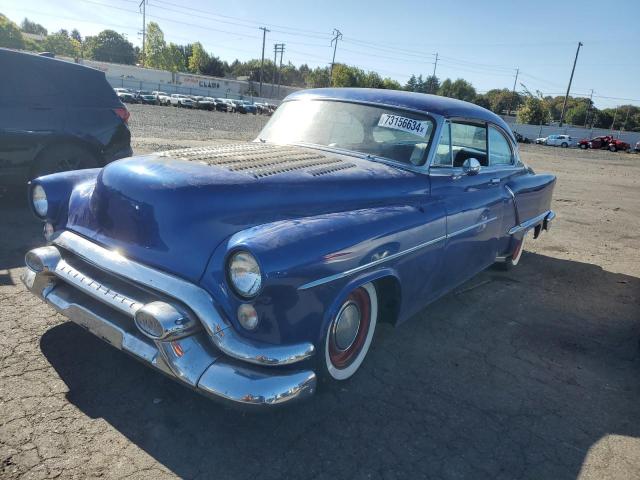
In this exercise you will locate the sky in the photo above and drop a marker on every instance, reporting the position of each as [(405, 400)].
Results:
[(481, 41)]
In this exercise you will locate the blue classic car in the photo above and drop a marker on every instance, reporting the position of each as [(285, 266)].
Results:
[(250, 271)]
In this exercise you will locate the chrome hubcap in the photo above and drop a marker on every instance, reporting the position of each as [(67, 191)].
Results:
[(346, 326)]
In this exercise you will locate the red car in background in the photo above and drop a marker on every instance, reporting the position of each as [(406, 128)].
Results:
[(606, 141)]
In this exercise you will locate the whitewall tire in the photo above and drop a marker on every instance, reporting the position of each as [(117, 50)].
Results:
[(350, 333)]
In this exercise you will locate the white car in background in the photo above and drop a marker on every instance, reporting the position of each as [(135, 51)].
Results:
[(559, 141), (162, 98), (125, 95), (178, 100)]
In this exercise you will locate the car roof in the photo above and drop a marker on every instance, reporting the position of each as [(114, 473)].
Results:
[(436, 104)]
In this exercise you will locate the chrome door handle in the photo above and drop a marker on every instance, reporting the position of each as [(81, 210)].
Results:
[(494, 181)]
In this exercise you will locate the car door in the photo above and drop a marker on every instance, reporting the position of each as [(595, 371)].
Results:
[(473, 201)]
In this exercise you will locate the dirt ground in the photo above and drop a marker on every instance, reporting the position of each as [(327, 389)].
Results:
[(533, 373)]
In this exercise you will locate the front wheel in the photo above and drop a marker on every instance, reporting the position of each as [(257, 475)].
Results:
[(612, 148), (62, 158), (350, 333), (564, 145)]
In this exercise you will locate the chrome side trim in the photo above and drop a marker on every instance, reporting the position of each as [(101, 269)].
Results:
[(347, 273), (471, 227), (196, 298), (532, 222), (515, 203)]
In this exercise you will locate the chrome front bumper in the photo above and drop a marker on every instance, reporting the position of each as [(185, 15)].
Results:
[(101, 291)]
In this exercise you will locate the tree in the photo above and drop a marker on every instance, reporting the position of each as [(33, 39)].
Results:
[(346, 76), (460, 89), (533, 111), (217, 67), (577, 115), (28, 26), (10, 36), (199, 58), (155, 48), (110, 46), (431, 84), (391, 84), (75, 34), (174, 59), (61, 43), (411, 84), (318, 77)]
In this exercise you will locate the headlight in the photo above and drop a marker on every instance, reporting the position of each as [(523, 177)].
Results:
[(244, 274), (39, 200)]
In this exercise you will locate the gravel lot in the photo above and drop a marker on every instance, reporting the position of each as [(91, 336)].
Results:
[(530, 374)]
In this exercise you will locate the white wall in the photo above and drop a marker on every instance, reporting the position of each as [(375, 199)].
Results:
[(536, 131), (138, 78)]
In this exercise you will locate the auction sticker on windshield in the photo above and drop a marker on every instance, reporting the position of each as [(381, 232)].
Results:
[(403, 123)]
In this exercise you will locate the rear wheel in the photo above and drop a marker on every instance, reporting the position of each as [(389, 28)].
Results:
[(61, 158), (349, 335), (564, 145), (612, 148), (513, 259)]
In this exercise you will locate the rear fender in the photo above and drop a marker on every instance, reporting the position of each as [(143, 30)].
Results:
[(531, 195)]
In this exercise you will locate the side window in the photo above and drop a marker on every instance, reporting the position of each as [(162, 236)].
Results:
[(468, 141), (443, 151), (499, 149)]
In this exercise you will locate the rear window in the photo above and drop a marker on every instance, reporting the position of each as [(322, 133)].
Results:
[(58, 82)]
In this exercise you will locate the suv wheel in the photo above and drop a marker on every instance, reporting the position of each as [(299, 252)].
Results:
[(61, 158)]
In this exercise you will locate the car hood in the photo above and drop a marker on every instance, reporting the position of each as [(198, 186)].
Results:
[(170, 210)]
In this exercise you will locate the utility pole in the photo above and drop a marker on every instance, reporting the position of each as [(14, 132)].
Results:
[(564, 104), (615, 114), (433, 83), (337, 36), (277, 48), (624, 127), (513, 91), (280, 67), (143, 5), (586, 117), (264, 37)]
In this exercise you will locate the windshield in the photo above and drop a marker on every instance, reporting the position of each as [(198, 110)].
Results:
[(385, 132)]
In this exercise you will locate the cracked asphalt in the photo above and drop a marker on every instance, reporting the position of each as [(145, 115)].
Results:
[(528, 374)]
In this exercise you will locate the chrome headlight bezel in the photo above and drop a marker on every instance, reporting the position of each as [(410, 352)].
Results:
[(244, 274), (39, 201)]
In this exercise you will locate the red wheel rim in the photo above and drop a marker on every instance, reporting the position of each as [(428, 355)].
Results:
[(343, 358)]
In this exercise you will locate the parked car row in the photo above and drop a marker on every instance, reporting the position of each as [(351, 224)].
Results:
[(607, 142), (193, 101)]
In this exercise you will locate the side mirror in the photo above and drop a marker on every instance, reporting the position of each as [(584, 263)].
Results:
[(471, 166)]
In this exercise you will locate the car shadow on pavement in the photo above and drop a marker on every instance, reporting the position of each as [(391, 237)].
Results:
[(513, 375), (19, 227)]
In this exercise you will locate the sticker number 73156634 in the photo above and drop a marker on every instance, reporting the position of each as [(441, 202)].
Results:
[(403, 123)]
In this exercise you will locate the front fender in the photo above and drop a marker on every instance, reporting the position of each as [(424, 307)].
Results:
[(308, 263), (60, 188)]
